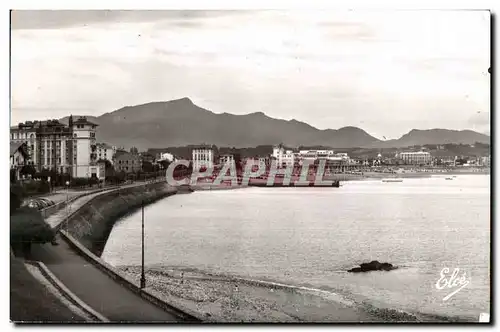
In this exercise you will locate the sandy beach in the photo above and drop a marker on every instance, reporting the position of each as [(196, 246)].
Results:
[(228, 299)]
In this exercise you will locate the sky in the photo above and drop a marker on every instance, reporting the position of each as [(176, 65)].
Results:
[(386, 72)]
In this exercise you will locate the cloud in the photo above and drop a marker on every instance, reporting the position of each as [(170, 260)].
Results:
[(387, 73), (53, 19)]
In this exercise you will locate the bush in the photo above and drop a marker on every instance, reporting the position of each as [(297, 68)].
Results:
[(27, 227), (13, 177), (43, 187), (16, 197), (35, 187), (79, 182)]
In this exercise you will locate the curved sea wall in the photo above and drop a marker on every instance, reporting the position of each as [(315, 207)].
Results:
[(92, 223)]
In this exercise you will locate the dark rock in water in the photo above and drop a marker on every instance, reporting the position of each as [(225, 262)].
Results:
[(373, 266)]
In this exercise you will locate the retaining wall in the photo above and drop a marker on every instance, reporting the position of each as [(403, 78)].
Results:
[(92, 223)]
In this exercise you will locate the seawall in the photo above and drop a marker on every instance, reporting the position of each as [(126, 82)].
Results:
[(93, 222)]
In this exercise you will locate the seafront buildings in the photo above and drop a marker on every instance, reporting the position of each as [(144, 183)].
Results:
[(415, 158), (289, 157), (127, 162), (64, 148), (105, 152), (203, 156), (226, 158)]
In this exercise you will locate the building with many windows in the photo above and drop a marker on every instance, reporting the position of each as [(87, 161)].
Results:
[(282, 156), (203, 156), (128, 162), (53, 145), (105, 152), (226, 158), (415, 158)]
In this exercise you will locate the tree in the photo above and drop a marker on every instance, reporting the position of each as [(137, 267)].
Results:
[(147, 166), (16, 197), (164, 164), (28, 170), (107, 165), (28, 227)]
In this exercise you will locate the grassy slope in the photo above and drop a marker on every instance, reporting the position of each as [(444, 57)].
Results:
[(30, 301)]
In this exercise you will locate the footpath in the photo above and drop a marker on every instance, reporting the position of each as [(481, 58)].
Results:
[(90, 284)]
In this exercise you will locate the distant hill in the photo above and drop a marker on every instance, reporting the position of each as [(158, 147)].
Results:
[(438, 136), (180, 122)]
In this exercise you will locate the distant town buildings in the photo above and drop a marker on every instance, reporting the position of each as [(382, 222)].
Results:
[(165, 156), (128, 162), (105, 152), (147, 157), (289, 157), (53, 145), (202, 156), (226, 158), (486, 161), (415, 158)]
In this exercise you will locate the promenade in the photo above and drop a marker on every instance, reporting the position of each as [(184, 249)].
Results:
[(90, 284)]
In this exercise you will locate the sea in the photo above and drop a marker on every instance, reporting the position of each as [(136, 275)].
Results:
[(427, 227)]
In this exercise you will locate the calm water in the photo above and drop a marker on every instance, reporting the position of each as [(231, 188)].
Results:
[(310, 236)]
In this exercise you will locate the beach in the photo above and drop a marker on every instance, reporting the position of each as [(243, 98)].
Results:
[(229, 299)]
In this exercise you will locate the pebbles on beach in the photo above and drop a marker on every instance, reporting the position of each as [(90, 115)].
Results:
[(226, 299)]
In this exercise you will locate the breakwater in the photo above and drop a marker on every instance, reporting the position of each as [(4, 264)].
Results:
[(93, 222)]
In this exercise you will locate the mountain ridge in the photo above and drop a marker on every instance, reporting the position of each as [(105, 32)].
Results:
[(180, 122)]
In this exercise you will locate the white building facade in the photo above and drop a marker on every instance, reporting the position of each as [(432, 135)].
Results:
[(203, 156), (105, 152), (85, 158), (65, 149), (416, 158), (226, 158), (165, 156)]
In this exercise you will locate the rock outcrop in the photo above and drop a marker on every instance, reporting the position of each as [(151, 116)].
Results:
[(373, 266)]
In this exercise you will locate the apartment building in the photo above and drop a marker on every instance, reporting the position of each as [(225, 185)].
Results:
[(105, 152), (203, 156), (128, 162), (415, 158), (53, 145), (226, 158), (283, 157)]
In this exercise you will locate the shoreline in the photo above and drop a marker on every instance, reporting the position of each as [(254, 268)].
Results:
[(341, 177), (228, 299)]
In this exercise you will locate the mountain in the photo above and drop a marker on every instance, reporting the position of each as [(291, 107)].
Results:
[(180, 122), (438, 136)]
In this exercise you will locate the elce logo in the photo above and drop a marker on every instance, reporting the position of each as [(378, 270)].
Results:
[(452, 282)]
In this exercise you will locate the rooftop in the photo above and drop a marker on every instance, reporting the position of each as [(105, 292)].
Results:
[(104, 146), (202, 146), (16, 146), (83, 120)]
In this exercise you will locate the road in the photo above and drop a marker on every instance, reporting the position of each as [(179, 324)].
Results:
[(91, 285)]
